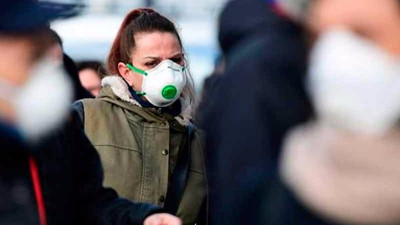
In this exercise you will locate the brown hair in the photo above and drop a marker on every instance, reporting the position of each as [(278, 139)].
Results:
[(144, 20), (140, 20)]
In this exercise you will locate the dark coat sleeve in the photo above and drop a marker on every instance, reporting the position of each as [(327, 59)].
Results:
[(72, 177), (101, 205), (77, 107)]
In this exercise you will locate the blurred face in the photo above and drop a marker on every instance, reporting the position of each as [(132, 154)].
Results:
[(16, 59), (378, 21), (150, 50), (20, 52), (18, 56), (90, 80)]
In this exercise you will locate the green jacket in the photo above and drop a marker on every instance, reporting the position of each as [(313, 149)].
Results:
[(139, 148)]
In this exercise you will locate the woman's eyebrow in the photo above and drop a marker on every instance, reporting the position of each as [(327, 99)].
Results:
[(177, 55), (158, 58), (152, 57)]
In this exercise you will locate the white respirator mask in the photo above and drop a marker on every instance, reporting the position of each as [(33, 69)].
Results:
[(163, 84), (43, 102), (354, 83)]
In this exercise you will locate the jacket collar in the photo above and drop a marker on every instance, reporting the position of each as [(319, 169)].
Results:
[(121, 90)]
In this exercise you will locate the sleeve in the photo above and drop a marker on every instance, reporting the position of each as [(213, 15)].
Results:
[(78, 108), (99, 205)]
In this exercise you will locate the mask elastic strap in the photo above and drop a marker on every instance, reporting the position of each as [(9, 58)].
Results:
[(139, 93), (131, 67)]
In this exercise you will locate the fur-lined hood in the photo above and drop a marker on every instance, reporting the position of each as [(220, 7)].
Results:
[(121, 90)]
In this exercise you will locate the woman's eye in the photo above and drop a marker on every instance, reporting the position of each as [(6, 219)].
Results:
[(151, 64), (177, 60)]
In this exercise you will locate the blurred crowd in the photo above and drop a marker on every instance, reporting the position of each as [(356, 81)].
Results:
[(298, 123)]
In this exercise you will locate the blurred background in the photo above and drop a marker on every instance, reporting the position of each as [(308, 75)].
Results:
[(90, 35)]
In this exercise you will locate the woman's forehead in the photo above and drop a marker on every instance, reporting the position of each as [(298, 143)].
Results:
[(156, 44)]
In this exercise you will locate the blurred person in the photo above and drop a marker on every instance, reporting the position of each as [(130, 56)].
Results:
[(49, 172), (141, 121), (90, 76), (351, 150), (256, 101), (72, 70), (56, 50)]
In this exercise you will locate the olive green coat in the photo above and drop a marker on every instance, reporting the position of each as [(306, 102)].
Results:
[(139, 147)]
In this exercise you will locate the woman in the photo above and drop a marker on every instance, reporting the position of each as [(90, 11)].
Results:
[(139, 122)]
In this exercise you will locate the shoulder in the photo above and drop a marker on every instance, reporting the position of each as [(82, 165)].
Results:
[(89, 104), (268, 49), (85, 106), (78, 110)]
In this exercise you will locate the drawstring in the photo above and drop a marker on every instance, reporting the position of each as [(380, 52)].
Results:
[(38, 191)]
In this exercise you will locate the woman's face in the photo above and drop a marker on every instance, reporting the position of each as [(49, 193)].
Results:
[(150, 50)]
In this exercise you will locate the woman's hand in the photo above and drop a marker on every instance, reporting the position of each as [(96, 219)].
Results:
[(162, 219)]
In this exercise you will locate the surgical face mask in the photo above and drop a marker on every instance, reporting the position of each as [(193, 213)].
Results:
[(163, 84), (43, 102), (354, 83)]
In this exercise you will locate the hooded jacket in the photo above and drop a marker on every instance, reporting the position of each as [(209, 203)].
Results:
[(139, 147)]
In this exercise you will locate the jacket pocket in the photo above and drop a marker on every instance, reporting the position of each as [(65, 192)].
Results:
[(122, 170)]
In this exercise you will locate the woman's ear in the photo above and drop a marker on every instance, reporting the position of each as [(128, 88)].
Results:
[(125, 73)]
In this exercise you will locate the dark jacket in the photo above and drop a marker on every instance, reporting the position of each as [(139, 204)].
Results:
[(71, 177), (17, 205), (258, 99)]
